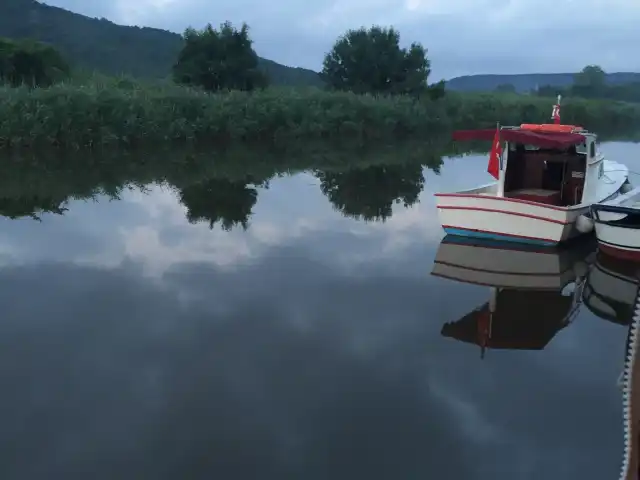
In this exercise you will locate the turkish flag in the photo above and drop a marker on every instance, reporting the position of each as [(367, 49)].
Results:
[(494, 157)]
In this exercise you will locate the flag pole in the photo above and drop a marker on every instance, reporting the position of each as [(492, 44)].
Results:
[(500, 192), (555, 115)]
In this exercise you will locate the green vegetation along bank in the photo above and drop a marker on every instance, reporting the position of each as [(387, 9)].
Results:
[(100, 115)]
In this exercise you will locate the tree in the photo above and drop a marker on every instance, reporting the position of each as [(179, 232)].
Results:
[(370, 193), (372, 61), (590, 82), (27, 62), (506, 88), (219, 59)]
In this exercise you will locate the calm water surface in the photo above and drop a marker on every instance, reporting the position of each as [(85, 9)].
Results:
[(137, 345)]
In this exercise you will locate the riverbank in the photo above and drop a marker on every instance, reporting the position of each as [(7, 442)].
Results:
[(124, 113)]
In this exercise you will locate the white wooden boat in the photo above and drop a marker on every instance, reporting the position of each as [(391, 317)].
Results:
[(617, 225), (549, 176), (530, 297)]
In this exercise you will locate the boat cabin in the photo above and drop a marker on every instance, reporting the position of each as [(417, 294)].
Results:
[(546, 163), (553, 175)]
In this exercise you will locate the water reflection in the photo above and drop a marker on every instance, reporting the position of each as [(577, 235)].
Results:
[(362, 193), (529, 302), (612, 288), (134, 345), (33, 207), (221, 201), (611, 293), (370, 193)]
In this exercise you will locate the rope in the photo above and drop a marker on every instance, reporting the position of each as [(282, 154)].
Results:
[(627, 390)]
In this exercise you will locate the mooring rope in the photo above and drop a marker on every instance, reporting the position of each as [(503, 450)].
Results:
[(627, 395)]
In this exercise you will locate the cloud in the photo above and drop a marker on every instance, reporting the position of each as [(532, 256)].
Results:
[(463, 37)]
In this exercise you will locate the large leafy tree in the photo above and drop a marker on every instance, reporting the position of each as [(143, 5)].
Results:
[(221, 59), (30, 63), (372, 61), (590, 82)]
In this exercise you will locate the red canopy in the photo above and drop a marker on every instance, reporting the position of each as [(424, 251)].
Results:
[(545, 140)]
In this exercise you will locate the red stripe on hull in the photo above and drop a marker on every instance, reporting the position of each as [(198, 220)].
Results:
[(493, 210), (502, 199), (630, 255)]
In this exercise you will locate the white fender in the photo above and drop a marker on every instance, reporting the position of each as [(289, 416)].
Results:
[(584, 224)]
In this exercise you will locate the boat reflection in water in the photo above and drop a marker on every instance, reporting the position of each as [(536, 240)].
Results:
[(629, 383), (611, 289), (611, 293), (534, 292)]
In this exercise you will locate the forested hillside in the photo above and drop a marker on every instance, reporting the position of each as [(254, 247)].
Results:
[(98, 44)]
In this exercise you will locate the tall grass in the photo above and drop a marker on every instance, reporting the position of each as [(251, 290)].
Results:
[(98, 111)]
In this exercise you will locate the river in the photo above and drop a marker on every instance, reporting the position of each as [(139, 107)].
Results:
[(135, 344)]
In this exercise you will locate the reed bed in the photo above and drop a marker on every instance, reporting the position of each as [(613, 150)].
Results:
[(95, 115), (105, 112)]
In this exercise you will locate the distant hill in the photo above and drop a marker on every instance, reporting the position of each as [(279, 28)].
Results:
[(529, 81), (98, 44)]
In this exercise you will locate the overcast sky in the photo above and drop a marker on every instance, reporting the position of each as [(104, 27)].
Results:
[(463, 36)]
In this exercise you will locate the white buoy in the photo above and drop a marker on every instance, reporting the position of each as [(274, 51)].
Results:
[(584, 224)]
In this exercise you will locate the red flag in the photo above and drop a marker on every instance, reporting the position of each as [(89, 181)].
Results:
[(494, 157), (555, 114)]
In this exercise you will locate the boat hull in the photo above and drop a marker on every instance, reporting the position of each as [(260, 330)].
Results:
[(507, 219), (509, 264), (617, 226), (619, 238)]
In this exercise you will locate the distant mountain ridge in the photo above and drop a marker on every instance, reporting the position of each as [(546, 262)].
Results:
[(99, 44), (525, 82)]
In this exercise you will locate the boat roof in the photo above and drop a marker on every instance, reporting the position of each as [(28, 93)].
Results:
[(544, 136)]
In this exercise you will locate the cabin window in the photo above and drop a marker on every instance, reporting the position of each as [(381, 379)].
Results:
[(592, 150), (581, 148), (601, 171)]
